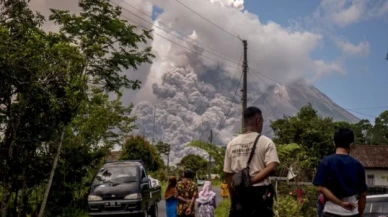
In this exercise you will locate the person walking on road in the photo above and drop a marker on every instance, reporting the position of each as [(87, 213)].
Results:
[(186, 192), (169, 196), (264, 160), (340, 178), (224, 190), (206, 201)]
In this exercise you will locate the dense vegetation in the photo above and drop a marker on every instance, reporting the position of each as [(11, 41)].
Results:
[(55, 113), (58, 123)]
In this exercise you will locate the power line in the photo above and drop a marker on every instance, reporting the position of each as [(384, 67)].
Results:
[(173, 30), (291, 88), (226, 65), (175, 35), (368, 108), (250, 68), (153, 130), (231, 102), (227, 32), (352, 110), (207, 19), (230, 108), (265, 98), (193, 51)]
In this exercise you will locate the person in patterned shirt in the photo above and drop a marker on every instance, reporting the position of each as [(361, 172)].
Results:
[(187, 193)]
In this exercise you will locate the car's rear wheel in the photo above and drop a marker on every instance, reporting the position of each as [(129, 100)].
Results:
[(154, 210)]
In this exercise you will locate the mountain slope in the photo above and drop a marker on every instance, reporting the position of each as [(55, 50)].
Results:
[(280, 100)]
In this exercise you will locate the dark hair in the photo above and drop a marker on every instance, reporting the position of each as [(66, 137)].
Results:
[(172, 182), (343, 137), (250, 113), (189, 174)]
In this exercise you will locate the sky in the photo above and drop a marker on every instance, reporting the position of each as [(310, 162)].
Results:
[(362, 26), (340, 45), (354, 37), (192, 85)]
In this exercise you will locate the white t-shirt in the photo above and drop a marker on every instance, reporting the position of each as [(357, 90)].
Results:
[(238, 151), (335, 209)]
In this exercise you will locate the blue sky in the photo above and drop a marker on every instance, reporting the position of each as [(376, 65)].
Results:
[(364, 84)]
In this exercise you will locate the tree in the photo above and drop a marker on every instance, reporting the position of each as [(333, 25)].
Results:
[(307, 129), (343, 124), (39, 90), (45, 79), (138, 148), (363, 132), (294, 156), (380, 129), (216, 152), (164, 149), (89, 139), (194, 162), (106, 43)]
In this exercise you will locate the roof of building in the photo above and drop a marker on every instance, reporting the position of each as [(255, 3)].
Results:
[(371, 156)]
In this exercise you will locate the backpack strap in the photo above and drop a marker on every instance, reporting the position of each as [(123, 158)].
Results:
[(253, 150)]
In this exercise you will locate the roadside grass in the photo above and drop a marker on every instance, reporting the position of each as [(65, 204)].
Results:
[(222, 209), (216, 182), (73, 212), (163, 188)]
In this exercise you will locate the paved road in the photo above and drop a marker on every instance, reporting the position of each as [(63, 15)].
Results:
[(162, 204)]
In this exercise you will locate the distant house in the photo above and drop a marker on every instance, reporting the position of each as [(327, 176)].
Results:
[(374, 158)]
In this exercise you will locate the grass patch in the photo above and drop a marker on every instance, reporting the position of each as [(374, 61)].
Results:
[(74, 212), (216, 183), (163, 188), (222, 209)]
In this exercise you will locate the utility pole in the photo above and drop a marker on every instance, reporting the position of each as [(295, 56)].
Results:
[(153, 127), (210, 157), (244, 90)]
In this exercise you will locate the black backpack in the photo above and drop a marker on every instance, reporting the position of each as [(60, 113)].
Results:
[(241, 180)]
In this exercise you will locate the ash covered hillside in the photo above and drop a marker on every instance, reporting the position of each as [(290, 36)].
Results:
[(190, 106), (279, 100)]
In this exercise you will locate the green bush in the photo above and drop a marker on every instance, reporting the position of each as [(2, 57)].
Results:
[(74, 212), (287, 206), (159, 175), (308, 208)]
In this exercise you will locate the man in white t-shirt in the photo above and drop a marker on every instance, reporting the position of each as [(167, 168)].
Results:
[(264, 162)]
